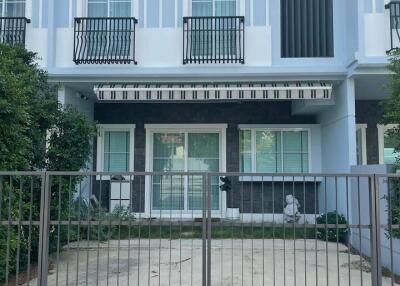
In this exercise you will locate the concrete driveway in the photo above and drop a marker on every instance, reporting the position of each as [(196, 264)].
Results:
[(234, 262)]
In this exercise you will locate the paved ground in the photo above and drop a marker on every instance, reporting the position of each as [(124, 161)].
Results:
[(234, 262)]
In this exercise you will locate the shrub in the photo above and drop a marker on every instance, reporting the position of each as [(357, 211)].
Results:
[(28, 110), (332, 234)]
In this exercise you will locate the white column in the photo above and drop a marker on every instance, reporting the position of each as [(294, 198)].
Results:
[(338, 140)]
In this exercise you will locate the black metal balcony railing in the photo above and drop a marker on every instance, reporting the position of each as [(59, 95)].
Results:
[(13, 30), (213, 40), (394, 9), (104, 40)]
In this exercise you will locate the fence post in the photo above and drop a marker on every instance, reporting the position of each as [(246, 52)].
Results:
[(43, 260), (209, 179), (204, 232), (376, 264)]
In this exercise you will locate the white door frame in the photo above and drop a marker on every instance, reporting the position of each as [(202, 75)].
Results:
[(181, 128)]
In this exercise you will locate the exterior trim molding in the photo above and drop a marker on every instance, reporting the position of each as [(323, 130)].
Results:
[(381, 139), (152, 128), (101, 128), (363, 128)]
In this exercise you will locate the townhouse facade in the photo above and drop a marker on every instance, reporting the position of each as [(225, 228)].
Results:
[(251, 86)]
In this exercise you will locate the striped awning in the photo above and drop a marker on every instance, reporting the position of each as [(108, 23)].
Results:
[(212, 91)]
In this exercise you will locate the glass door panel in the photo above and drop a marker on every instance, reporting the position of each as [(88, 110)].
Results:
[(203, 155), (168, 156), (184, 152)]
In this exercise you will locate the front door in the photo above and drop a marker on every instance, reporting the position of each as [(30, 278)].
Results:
[(184, 151)]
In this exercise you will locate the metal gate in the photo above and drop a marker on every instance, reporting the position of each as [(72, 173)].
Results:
[(142, 228)]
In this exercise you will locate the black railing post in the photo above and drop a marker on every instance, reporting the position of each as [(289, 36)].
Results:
[(213, 39), (105, 40)]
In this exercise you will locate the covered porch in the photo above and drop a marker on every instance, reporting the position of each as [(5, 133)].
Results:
[(269, 127)]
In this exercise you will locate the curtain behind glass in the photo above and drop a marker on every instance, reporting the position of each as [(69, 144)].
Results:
[(97, 8), (268, 151), (245, 151), (295, 151), (203, 155), (168, 155), (116, 151), (101, 44), (14, 8), (202, 8), (120, 8), (225, 7), (221, 8)]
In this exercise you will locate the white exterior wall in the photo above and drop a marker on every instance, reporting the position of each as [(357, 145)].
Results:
[(365, 246), (162, 47), (68, 96), (338, 133), (361, 33)]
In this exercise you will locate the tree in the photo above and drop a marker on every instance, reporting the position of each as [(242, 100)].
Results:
[(391, 115), (31, 120), (28, 109)]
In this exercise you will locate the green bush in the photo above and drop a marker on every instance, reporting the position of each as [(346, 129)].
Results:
[(391, 106), (393, 204), (29, 110), (332, 234)]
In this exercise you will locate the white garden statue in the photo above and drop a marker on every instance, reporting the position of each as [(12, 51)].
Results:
[(291, 210)]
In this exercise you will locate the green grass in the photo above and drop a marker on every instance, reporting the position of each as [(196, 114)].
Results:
[(226, 232)]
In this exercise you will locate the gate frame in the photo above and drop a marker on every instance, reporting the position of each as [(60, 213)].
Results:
[(43, 255)]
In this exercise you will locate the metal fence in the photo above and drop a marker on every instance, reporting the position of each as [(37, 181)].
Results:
[(147, 228)]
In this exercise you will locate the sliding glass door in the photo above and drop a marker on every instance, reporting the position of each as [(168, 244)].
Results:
[(184, 152)]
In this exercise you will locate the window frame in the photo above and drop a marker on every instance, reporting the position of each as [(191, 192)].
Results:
[(3, 7), (133, 2), (151, 129), (280, 129), (363, 129), (381, 140), (101, 129), (237, 6)]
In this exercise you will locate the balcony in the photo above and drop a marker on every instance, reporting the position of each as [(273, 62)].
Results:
[(394, 9), (104, 40), (13, 30), (214, 40)]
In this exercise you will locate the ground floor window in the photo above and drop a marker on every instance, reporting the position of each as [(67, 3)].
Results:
[(388, 142), (115, 146), (270, 150), (183, 150)]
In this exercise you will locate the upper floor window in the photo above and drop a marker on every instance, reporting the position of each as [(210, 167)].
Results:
[(306, 29), (109, 8), (274, 150), (12, 8), (213, 8)]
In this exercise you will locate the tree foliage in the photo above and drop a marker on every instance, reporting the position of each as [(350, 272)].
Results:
[(28, 109), (391, 115), (36, 133)]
